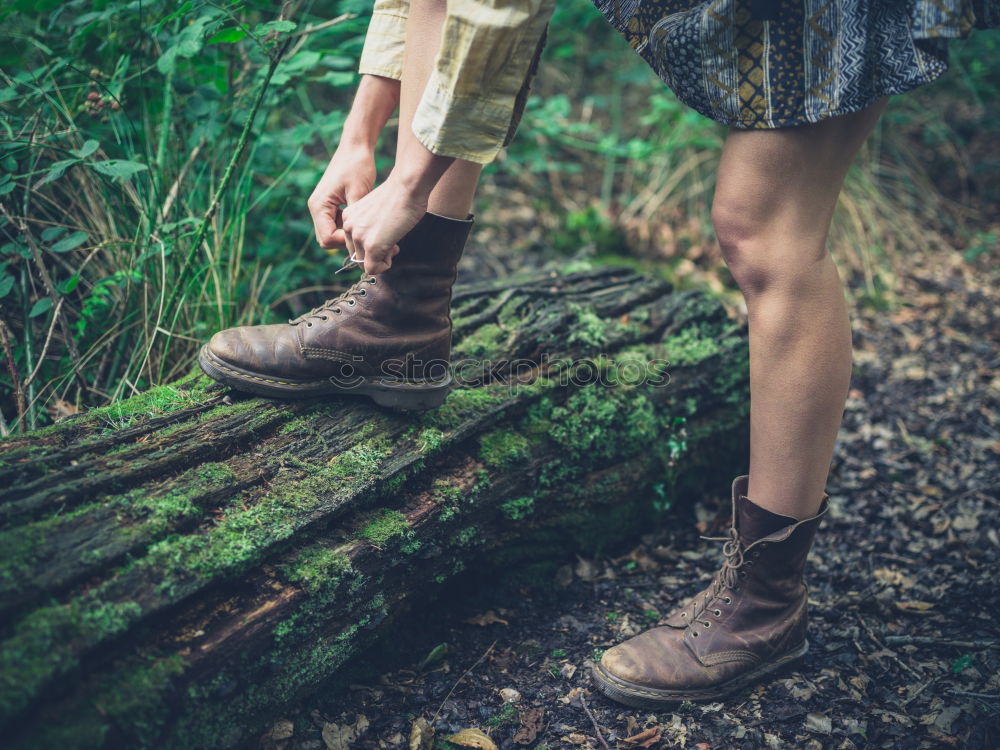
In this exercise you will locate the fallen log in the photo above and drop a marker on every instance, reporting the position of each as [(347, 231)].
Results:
[(178, 567)]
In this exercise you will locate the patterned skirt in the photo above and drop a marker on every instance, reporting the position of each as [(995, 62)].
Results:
[(779, 63)]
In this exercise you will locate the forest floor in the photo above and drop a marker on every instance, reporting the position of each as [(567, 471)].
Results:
[(904, 596)]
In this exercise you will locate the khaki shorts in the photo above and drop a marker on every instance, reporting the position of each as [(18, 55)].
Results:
[(522, 95)]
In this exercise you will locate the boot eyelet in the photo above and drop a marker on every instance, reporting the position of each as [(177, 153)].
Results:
[(372, 281), (684, 614), (694, 633), (362, 292), (324, 318), (352, 302), (337, 310), (309, 325), (707, 623), (727, 600), (717, 613)]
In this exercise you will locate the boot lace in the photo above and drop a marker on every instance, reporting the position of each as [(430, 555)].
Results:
[(358, 289), (726, 579)]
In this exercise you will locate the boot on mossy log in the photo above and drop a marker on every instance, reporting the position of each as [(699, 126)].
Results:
[(179, 567)]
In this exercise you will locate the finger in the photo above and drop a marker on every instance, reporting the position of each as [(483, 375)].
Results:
[(338, 237), (356, 191), (379, 261), (328, 234), (354, 250)]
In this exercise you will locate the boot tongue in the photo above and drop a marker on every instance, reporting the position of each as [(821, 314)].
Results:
[(755, 522)]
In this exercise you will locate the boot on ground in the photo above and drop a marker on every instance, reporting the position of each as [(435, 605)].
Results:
[(749, 622)]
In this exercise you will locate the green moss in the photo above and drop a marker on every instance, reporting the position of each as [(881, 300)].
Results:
[(443, 492), (690, 346), (152, 403), (464, 536), (464, 404), (518, 508), (502, 448), (486, 341), (430, 439), (506, 715), (45, 641), (586, 327), (317, 567), (361, 462), (165, 511), (411, 547), (294, 425), (599, 424), (384, 526)]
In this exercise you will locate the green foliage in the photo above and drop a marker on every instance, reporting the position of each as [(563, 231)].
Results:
[(384, 526), (317, 567), (122, 122), (503, 448), (518, 508)]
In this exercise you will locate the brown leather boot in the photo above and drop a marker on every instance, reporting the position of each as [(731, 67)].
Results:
[(750, 621), (387, 337)]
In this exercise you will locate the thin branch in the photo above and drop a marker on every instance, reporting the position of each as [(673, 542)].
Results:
[(325, 25), (459, 680), (918, 640), (593, 720), (45, 347), (15, 380)]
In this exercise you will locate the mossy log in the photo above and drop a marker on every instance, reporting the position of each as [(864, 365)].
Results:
[(176, 568)]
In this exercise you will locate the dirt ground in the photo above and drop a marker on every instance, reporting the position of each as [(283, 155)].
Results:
[(904, 597)]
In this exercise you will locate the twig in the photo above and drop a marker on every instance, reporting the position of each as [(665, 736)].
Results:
[(168, 202), (892, 655), (919, 690), (920, 640), (593, 720), (983, 696), (320, 26), (15, 381), (45, 346), (459, 680)]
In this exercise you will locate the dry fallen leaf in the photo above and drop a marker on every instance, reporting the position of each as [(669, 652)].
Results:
[(567, 671), (572, 697), (819, 723), (278, 736), (531, 725), (341, 736), (585, 569), (915, 607), (489, 617), (645, 738), (509, 695), (421, 734), (472, 738)]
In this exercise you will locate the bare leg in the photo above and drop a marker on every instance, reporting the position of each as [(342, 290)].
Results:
[(453, 194), (775, 197)]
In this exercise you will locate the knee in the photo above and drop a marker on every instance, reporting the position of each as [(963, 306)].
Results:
[(745, 249)]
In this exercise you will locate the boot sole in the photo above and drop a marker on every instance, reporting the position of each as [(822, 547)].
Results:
[(394, 394), (641, 696)]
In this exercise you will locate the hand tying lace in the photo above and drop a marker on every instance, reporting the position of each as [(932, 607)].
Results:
[(358, 289), (725, 579)]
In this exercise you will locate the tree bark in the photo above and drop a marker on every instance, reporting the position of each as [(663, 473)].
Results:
[(178, 567)]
